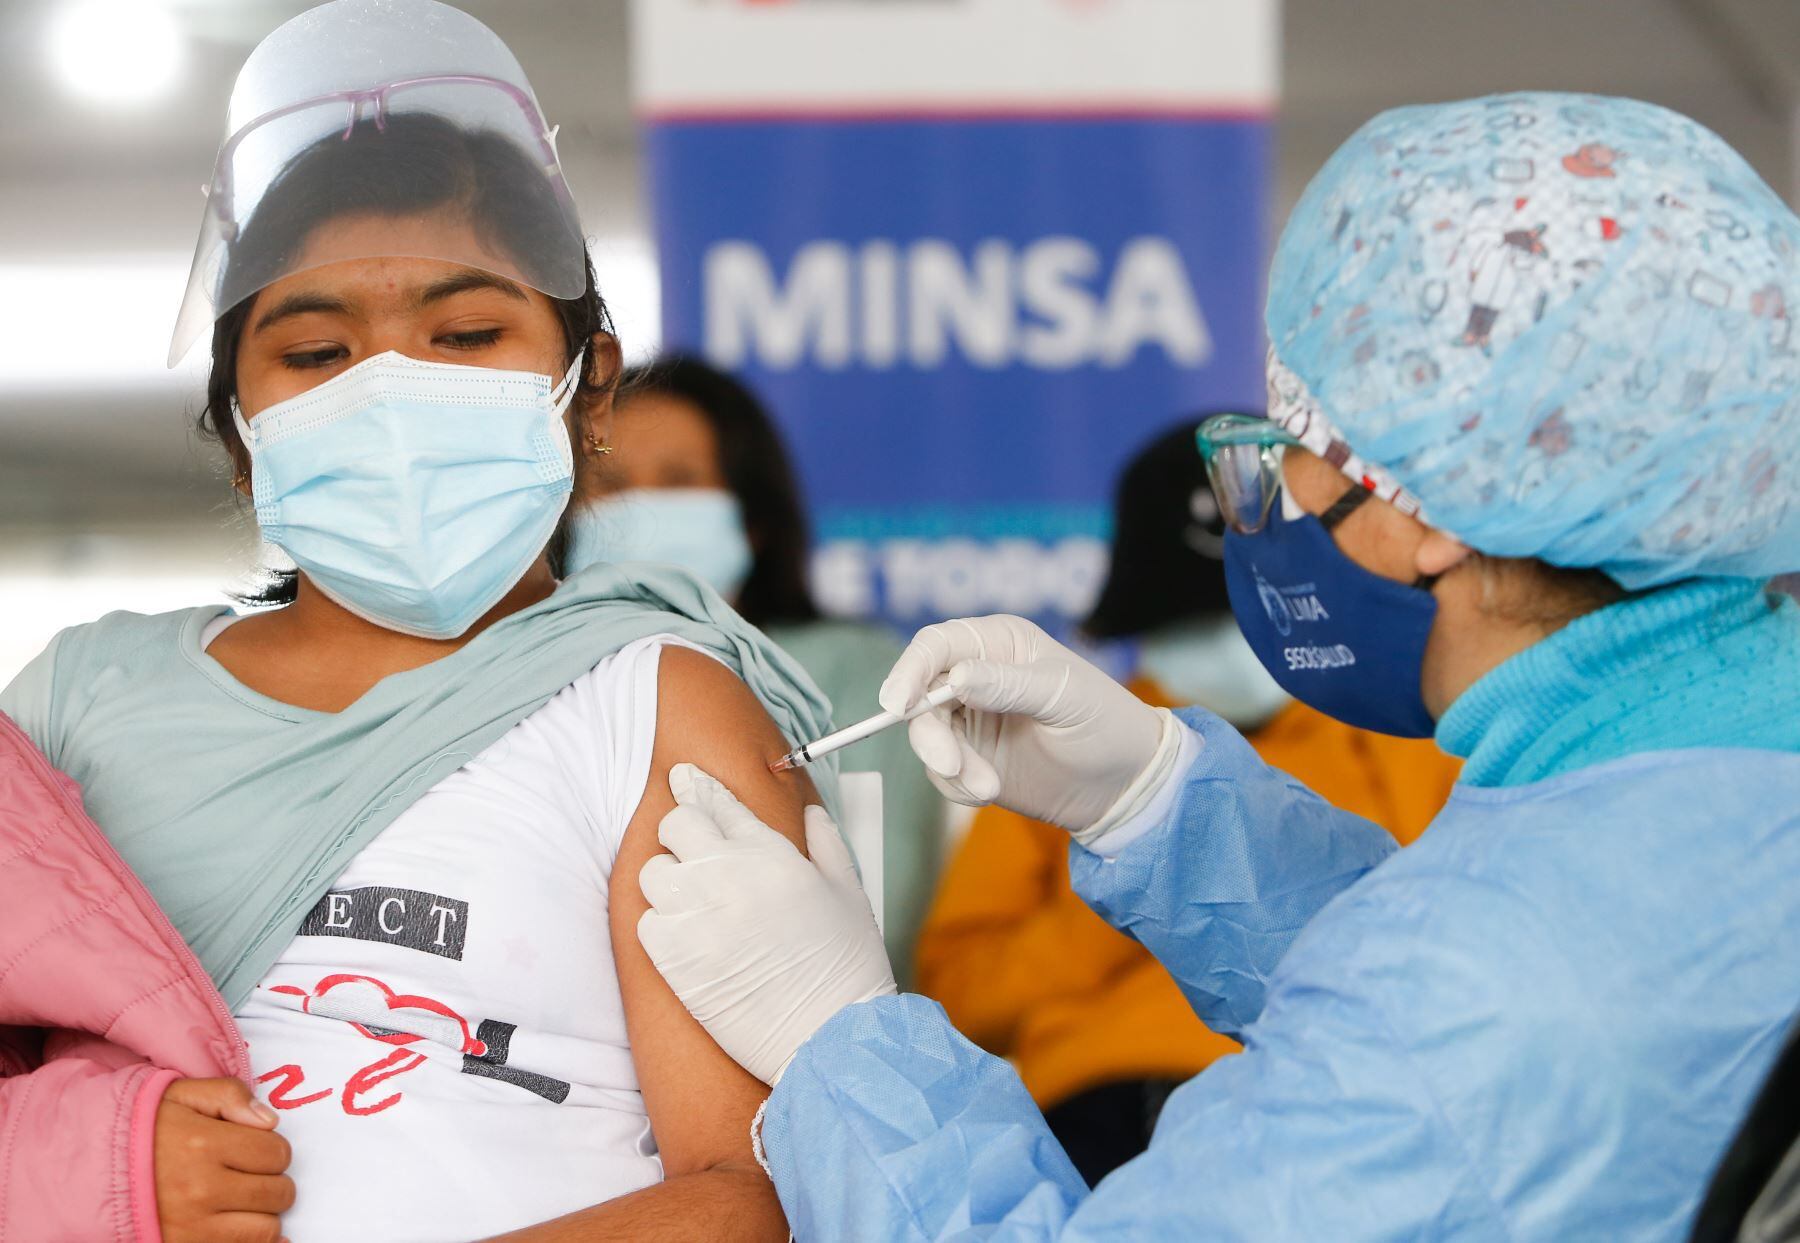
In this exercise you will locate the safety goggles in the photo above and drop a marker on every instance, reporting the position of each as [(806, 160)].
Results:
[(1243, 463)]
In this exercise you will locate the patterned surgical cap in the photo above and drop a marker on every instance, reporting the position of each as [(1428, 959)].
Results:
[(1561, 323)]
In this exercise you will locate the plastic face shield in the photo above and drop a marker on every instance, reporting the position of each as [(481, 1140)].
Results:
[(374, 129)]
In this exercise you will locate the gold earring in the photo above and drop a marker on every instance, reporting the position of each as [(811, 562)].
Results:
[(598, 446), (240, 479)]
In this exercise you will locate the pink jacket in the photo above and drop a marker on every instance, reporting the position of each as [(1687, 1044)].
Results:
[(101, 1005)]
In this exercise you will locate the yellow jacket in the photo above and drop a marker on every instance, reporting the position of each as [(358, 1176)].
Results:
[(1028, 972)]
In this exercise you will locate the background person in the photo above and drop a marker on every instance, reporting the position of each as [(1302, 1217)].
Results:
[(700, 479), (1098, 1029), (1550, 545)]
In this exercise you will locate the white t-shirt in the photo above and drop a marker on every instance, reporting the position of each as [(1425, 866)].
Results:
[(444, 1038)]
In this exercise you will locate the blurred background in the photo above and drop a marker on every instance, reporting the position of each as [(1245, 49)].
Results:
[(114, 112)]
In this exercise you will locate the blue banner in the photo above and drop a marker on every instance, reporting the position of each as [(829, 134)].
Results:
[(967, 327), (974, 254)]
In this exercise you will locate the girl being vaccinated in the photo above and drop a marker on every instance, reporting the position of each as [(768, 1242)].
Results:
[(400, 817)]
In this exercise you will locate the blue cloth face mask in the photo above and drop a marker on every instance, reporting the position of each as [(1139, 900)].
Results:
[(415, 494), (1334, 635), (701, 530)]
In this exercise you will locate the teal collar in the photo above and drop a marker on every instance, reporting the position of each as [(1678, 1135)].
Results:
[(1708, 662)]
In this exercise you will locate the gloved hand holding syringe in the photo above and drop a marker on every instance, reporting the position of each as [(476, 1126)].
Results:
[(806, 753)]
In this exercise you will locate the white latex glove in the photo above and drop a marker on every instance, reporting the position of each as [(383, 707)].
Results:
[(761, 944), (1037, 729)]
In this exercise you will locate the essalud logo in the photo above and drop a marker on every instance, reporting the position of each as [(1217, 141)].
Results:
[(1273, 604)]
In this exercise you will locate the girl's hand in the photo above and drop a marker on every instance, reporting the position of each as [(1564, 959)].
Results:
[(219, 1165)]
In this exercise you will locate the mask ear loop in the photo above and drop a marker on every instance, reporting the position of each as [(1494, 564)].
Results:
[(1348, 504), (247, 439), (594, 445), (1344, 506), (564, 392), (243, 427)]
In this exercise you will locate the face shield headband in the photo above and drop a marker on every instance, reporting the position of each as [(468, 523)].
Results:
[(376, 99)]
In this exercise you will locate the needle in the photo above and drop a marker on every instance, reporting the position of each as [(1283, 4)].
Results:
[(808, 752)]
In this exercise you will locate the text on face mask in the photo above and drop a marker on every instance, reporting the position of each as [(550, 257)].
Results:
[(1337, 656)]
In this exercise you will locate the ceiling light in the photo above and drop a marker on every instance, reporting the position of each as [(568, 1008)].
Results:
[(38, 349), (115, 51)]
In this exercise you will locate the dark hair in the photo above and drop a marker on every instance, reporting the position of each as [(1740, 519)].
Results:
[(505, 196), (757, 470), (1545, 597), (1168, 541)]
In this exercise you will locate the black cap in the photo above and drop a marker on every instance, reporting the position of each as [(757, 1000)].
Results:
[(1168, 542)]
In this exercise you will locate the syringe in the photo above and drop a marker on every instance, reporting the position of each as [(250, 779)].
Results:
[(808, 752)]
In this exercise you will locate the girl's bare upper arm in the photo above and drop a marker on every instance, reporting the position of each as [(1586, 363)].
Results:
[(700, 1101)]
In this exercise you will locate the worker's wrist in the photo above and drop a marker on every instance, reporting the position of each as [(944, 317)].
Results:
[(1146, 802)]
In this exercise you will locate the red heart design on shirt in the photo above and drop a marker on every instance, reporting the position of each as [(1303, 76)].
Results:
[(360, 1016)]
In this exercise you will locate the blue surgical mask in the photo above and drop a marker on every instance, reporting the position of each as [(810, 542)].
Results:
[(1334, 635), (700, 530), (415, 494)]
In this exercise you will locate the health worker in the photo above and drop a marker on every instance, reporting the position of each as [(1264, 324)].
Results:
[(1100, 1033), (1533, 454)]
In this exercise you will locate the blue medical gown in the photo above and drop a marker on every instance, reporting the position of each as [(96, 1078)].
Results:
[(1541, 1022)]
